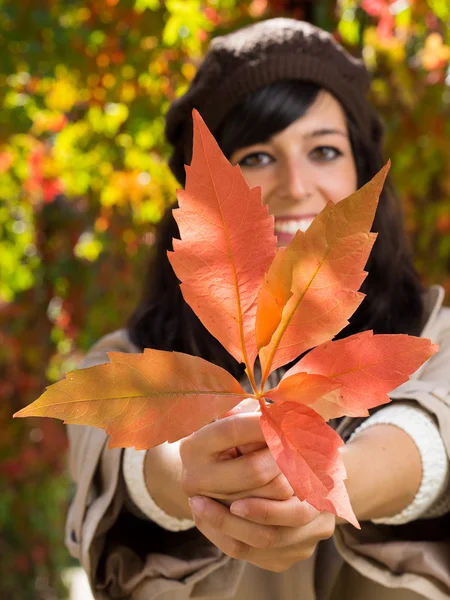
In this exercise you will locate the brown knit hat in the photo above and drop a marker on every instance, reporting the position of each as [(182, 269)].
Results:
[(250, 58)]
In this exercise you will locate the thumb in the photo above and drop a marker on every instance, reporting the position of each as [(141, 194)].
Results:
[(246, 406), (249, 405)]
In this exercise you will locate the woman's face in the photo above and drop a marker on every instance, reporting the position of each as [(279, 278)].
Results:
[(302, 167)]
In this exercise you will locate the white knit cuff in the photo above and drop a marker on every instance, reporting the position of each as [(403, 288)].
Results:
[(430, 500), (133, 471)]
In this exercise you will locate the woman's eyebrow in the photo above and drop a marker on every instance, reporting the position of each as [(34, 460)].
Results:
[(312, 134), (326, 131)]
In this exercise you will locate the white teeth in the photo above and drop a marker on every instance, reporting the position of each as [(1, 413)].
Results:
[(292, 226)]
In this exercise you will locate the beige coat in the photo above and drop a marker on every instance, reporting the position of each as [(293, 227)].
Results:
[(129, 557)]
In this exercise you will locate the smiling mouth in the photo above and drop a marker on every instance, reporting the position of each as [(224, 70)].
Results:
[(291, 226)]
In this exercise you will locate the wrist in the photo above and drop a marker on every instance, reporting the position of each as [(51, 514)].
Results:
[(162, 475), (384, 471)]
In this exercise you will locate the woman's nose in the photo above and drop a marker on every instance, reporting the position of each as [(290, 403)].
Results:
[(298, 182)]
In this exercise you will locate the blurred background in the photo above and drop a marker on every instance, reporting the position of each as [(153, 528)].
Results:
[(83, 181)]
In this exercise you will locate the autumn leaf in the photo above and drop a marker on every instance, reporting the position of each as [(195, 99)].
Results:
[(307, 451), (142, 400), (310, 290), (302, 388), (366, 366), (254, 298), (274, 293), (227, 244)]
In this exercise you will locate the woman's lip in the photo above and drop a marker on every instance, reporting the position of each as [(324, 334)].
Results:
[(295, 217)]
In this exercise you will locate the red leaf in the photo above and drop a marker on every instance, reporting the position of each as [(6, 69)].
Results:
[(142, 400), (375, 8), (310, 290), (307, 451), (6, 160), (305, 297), (227, 244), (366, 366), (302, 388)]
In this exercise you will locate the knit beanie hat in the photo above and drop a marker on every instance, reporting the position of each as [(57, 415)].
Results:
[(260, 54)]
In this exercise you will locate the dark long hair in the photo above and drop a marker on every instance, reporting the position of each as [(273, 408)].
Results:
[(393, 302)]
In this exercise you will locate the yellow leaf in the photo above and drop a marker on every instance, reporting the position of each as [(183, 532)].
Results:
[(142, 400)]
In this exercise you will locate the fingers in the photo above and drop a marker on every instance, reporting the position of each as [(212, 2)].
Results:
[(223, 434), (228, 545), (229, 477), (277, 489), (212, 515), (247, 405), (213, 467), (288, 513), (275, 548)]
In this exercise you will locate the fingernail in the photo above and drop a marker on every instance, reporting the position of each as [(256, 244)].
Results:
[(197, 504), (239, 508)]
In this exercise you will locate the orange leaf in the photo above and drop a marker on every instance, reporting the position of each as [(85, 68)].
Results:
[(366, 366), (313, 282), (253, 298), (302, 388), (142, 400), (274, 293), (307, 451), (227, 244)]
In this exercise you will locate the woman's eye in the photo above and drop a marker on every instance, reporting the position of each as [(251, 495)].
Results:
[(256, 159), (325, 153)]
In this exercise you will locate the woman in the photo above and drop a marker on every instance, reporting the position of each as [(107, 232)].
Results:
[(197, 519)]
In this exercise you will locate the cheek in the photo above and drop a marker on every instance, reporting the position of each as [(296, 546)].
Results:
[(262, 179), (342, 183)]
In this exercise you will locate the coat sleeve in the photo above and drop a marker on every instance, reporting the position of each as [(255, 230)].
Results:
[(120, 552), (416, 555)]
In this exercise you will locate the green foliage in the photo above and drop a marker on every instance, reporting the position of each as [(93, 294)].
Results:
[(83, 180), (84, 85), (406, 46)]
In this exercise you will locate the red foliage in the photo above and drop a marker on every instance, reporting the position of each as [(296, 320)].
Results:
[(39, 183), (382, 10)]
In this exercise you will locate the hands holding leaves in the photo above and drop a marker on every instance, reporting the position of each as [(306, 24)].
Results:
[(276, 529), (287, 536)]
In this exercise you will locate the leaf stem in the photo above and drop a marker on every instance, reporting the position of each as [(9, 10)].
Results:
[(251, 378)]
